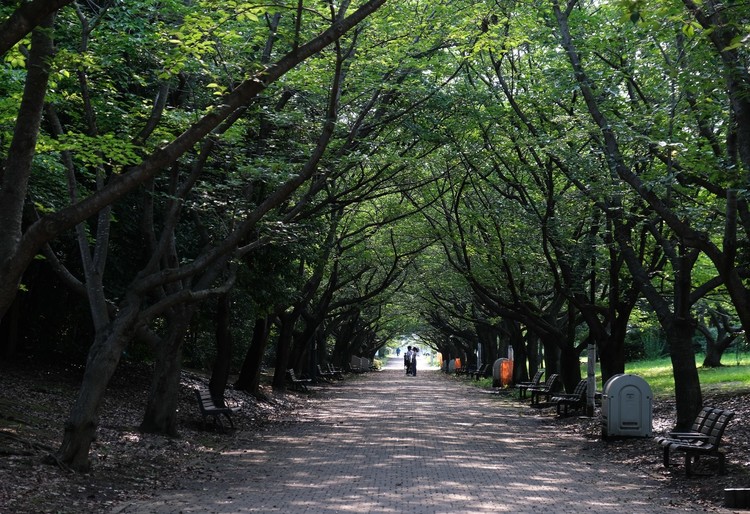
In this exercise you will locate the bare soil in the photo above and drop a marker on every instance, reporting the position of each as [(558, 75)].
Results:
[(129, 465), (126, 464)]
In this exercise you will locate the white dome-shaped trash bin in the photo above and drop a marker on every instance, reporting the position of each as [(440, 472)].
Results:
[(627, 407)]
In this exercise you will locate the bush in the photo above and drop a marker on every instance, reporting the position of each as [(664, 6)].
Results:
[(645, 344)]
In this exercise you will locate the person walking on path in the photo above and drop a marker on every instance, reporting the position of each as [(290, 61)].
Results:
[(407, 360), (414, 354)]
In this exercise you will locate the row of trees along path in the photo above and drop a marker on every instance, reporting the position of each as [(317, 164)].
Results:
[(236, 185)]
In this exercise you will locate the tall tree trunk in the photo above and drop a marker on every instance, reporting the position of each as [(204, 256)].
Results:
[(487, 338), (610, 334), (104, 355), (611, 347), (283, 349), (9, 333), (532, 352), (249, 379), (611, 340), (321, 350), (222, 364), (524, 364), (688, 397), (713, 356), (611, 357), (160, 416), (16, 170), (570, 366), (680, 331), (341, 355), (301, 344), (551, 354)]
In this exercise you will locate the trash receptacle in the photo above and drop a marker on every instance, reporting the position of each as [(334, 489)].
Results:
[(626, 407), (502, 372), (506, 372)]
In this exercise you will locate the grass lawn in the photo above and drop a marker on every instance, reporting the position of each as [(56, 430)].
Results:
[(730, 377), (733, 376)]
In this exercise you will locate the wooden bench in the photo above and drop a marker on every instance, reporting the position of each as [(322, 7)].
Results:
[(575, 400), (337, 373), (710, 425), (547, 390), (209, 408), (535, 382), (299, 384), (707, 415), (327, 375), (481, 372)]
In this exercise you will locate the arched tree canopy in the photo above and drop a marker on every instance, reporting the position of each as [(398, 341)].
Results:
[(321, 178)]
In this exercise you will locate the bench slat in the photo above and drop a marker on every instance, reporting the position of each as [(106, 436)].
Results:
[(299, 384), (209, 408)]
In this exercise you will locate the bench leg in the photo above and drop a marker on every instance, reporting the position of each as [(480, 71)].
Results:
[(721, 463), (688, 463), (666, 456)]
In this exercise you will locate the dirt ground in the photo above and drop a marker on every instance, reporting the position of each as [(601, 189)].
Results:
[(705, 487), (128, 465)]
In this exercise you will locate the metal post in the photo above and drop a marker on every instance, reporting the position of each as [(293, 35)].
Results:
[(591, 376)]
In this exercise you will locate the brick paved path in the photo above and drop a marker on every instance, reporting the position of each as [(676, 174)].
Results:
[(454, 448)]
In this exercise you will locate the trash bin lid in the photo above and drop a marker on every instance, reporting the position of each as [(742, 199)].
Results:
[(619, 382)]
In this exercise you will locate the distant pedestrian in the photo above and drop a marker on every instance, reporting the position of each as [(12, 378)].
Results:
[(415, 352), (407, 360)]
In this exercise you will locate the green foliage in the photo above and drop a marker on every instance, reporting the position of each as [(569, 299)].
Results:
[(645, 343), (107, 149), (463, 157)]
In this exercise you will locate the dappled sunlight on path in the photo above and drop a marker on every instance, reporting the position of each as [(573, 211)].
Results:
[(384, 442)]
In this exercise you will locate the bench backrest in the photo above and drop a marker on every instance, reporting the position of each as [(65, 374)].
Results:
[(706, 420), (581, 388), (701, 419), (550, 383), (204, 398), (717, 430), (537, 377)]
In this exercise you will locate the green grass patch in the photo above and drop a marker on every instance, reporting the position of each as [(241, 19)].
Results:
[(732, 377), (728, 378)]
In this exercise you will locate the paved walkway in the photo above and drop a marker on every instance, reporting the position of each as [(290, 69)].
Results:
[(387, 443)]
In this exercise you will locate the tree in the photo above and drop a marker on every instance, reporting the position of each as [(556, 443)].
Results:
[(676, 322), (179, 303), (19, 246)]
